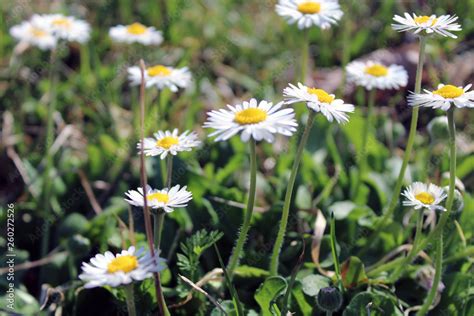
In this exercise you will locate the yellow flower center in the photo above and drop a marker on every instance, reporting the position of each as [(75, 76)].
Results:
[(158, 70), (62, 22), (423, 19), (167, 141), (250, 116), (377, 70), (158, 197), (425, 198), (449, 92), (322, 95), (123, 263), (309, 7), (136, 28), (38, 32)]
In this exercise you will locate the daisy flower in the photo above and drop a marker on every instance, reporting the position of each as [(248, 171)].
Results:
[(69, 28), (136, 33), (166, 199), (120, 269), (161, 76), (259, 120), (35, 32), (319, 100), (321, 13), (442, 25), (429, 196), (371, 74), (167, 142), (443, 97)]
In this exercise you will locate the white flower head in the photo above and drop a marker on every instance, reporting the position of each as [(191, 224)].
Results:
[(166, 199), (428, 196), (136, 33), (371, 74), (443, 97), (69, 28), (167, 142), (257, 120), (442, 25), (120, 269), (319, 100), (321, 13), (161, 77), (35, 32)]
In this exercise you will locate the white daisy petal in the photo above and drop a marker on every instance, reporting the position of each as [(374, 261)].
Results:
[(321, 13), (136, 33), (161, 77), (319, 100), (424, 196), (442, 25), (257, 120), (167, 142), (443, 97), (122, 268), (371, 74), (166, 199)]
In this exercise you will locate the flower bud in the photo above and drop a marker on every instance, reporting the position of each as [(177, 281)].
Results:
[(329, 299), (438, 129)]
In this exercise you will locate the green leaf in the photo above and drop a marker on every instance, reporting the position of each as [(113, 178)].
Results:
[(377, 304), (228, 306), (311, 284), (300, 299), (267, 294), (250, 272), (353, 272), (341, 209)]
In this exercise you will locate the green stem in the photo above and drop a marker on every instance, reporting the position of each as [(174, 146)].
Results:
[(411, 255), (406, 157), (169, 170), (334, 252), (130, 298), (158, 219), (289, 192), (362, 158), (328, 313), (385, 267), (304, 55), (47, 185), (236, 253), (438, 231), (437, 277)]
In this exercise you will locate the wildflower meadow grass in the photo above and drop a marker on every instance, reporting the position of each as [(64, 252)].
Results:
[(225, 157)]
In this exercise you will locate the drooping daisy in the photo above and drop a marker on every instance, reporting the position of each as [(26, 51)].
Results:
[(319, 100), (371, 74), (259, 120), (136, 33), (443, 97), (69, 28), (121, 269), (429, 196), (443, 25), (35, 32), (321, 13), (167, 142), (161, 76), (166, 199)]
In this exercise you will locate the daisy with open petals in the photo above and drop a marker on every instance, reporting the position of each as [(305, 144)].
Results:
[(321, 13), (424, 196), (257, 120), (443, 97), (35, 32), (69, 28), (136, 33), (167, 142), (166, 199), (161, 77), (371, 74), (319, 100), (121, 269), (442, 25)]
